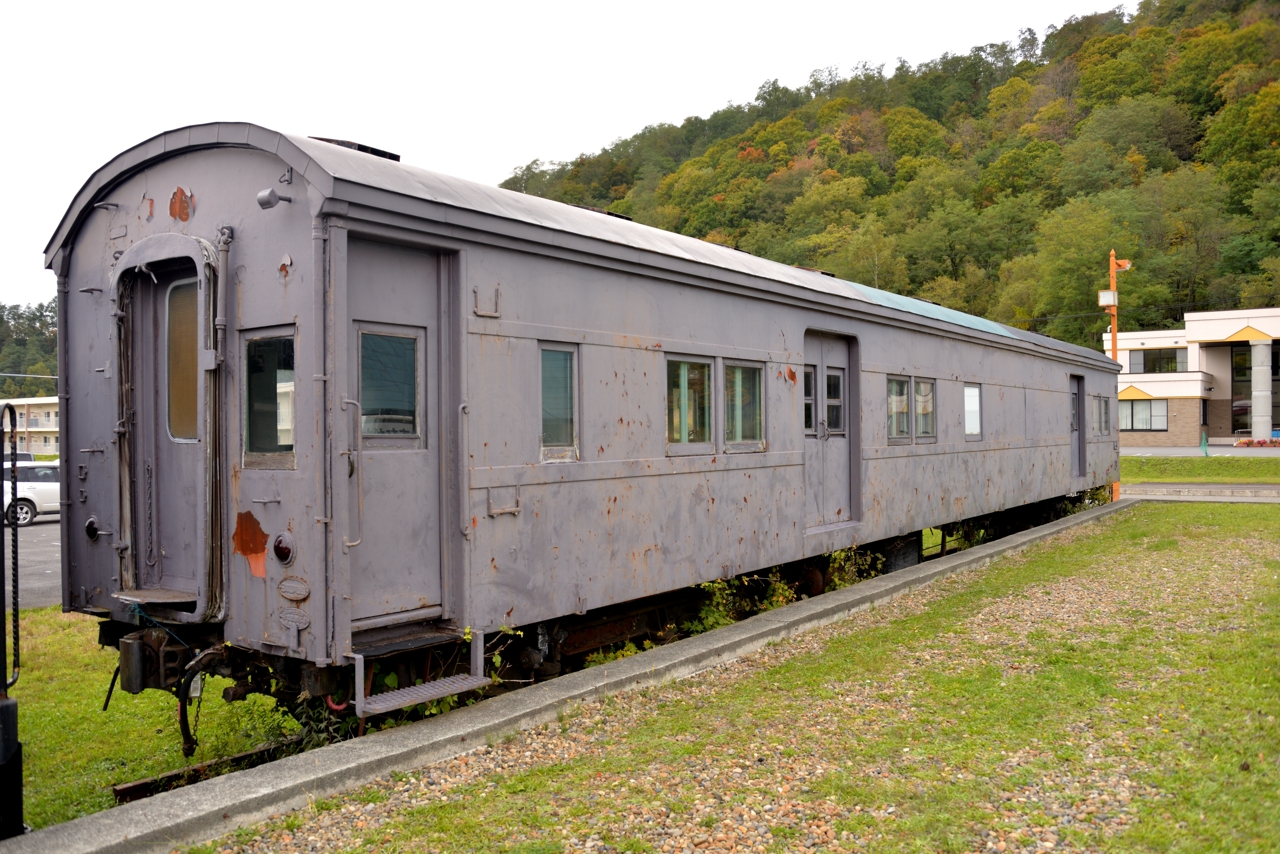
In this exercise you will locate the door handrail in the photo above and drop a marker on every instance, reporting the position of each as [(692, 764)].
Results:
[(359, 454)]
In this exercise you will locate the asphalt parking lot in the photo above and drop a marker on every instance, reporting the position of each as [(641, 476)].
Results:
[(39, 564)]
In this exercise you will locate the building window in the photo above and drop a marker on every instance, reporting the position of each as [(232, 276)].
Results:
[(1164, 361), (1204, 412), (835, 400), (22, 419), (899, 409), (1144, 415), (926, 428), (1241, 389), (46, 441), (559, 391), (972, 411), (269, 390), (688, 402), (809, 424), (743, 408)]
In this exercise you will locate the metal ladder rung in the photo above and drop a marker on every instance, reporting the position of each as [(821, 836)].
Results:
[(390, 701)]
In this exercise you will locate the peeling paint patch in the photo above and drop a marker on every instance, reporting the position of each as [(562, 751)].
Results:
[(251, 541)]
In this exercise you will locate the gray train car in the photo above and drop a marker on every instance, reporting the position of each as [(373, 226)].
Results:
[(320, 406)]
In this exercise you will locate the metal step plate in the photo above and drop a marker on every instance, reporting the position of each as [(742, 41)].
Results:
[(401, 698)]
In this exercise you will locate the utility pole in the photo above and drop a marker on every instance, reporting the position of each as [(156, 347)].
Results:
[(1110, 299)]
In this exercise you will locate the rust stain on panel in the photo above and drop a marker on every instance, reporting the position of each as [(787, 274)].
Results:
[(251, 541)]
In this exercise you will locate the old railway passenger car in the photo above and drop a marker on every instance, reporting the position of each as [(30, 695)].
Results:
[(324, 406)]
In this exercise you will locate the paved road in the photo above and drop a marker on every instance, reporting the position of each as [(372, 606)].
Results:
[(39, 564)]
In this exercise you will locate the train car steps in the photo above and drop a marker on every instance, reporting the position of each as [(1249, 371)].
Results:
[(402, 698)]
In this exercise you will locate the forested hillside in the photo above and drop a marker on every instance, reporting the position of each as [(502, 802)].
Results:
[(28, 345), (995, 181)]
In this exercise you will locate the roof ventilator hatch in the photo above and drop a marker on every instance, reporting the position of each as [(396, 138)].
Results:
[(359, 146)]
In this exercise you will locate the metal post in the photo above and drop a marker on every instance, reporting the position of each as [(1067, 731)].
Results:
[(10, 748), (1115, 347)]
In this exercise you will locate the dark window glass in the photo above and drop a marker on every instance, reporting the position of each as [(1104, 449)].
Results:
[(835, 400), (808, 400), (388, 384), (557, 399), (1241, 389), (269, 389)]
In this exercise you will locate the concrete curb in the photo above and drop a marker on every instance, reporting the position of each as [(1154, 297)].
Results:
[(216, 807), (1259, 493)]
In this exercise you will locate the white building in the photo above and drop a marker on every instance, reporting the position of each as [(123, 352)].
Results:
[(1218, 376), (38, 428)]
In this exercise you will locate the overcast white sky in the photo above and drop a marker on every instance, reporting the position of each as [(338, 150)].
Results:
[(463, 89)]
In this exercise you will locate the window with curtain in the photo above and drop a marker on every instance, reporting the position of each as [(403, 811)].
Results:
[(743, 410), (688, 402), (899, 409), (1144, 415), (926, 426)]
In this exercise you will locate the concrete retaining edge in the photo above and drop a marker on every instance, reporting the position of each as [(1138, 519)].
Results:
[(213, 808)]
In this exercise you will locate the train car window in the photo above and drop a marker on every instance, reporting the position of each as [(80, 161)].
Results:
[(388, 384), (743, 407), (926, 426), (899, 410), (181, 345), (809, 424), (835, 400), (559, 436), (1106, 416), (688, 402), (269, 389), (972, 411)]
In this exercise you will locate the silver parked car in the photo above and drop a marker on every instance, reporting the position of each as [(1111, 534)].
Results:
[(37, 492)]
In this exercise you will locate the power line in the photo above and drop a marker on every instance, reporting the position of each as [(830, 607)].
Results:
[(31, 376)]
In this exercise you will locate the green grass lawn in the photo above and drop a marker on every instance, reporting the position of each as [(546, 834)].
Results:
[(1115, 689), (73, 752), (1200, 469)]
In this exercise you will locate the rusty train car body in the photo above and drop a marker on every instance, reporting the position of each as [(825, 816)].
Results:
[(319, 406)]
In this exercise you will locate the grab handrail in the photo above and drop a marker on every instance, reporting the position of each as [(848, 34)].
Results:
[(359, 452)]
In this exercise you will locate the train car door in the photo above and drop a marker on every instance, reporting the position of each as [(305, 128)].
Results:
[(1077, 427), (393, 434), (166, 313), (830, 440)]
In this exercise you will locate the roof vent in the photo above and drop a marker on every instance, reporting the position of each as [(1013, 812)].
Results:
[(358, 146)]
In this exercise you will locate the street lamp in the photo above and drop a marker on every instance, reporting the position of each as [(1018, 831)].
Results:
[(1111, 301)]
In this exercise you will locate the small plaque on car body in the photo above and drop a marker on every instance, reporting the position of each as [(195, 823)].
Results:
[(294, 589)]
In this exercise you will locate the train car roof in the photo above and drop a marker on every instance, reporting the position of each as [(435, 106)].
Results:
[(334, 169)]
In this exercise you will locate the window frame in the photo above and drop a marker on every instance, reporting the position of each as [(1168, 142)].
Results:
[(964, 413), (268, 460), (748, 447), (690, 449), (910, 394), (561, 453), (918, 437)]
